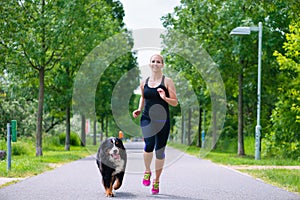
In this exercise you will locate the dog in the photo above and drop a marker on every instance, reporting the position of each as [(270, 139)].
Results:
[(111, 161)]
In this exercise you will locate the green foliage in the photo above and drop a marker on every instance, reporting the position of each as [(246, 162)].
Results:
[(227, 145), (21, 148), (210, 21), (42, 47), (117, 82), (74, 139), (58, 35), (19, 109), (284, 139)]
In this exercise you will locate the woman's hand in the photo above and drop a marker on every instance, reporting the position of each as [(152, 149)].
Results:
[(161, 93), (136, 113)]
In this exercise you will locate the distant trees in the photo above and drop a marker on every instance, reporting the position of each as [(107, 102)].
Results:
[(42, 45), (210, 23)]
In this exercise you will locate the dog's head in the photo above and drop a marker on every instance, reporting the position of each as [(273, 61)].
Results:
[(112, 149)]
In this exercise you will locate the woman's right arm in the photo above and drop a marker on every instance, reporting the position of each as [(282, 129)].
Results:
[(138, 111)]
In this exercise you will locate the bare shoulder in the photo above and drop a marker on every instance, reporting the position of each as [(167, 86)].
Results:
[(142, 83), (168, 81)]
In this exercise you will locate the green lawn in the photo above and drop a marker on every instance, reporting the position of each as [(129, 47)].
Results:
[(27, 164), (284, 178)]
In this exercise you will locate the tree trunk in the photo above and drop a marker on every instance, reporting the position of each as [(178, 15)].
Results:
[(41, 69), (241, 151), (189, 126), (199, 141), (39, 128), (68, 127), (102, 129), (83, 130), (214, 142)]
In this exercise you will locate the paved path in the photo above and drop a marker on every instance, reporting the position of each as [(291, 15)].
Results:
[(185, 177)]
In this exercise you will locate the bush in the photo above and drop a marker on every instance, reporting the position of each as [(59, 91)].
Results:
[(20, 148), (74, 139)]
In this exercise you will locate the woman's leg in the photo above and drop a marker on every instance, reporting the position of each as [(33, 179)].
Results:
[(149, 143), (148, 155), (161, 142), (159, 164), (147, 161)]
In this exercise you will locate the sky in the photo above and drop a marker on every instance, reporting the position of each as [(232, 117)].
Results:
[(147, 13), (141, 14)]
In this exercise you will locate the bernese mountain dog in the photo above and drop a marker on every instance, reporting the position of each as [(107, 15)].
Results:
[(111, 161)]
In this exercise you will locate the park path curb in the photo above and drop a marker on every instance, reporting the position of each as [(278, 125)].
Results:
[(4, 180)]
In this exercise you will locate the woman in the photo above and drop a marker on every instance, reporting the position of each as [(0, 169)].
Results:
[(158, 92)]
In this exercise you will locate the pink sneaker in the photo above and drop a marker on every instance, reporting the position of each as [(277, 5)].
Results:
[(146, 179), (155, 188)]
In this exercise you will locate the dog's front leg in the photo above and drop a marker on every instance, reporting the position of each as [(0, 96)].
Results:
[(108, 191), (108, 184)]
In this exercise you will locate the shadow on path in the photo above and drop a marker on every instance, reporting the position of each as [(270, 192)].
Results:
[(128, 195), (168, 196)]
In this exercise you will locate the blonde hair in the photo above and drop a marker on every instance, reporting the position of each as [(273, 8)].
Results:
[(162, 58)]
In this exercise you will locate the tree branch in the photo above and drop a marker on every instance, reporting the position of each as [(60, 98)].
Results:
[(53, 124), (28, 58), (51, 57)]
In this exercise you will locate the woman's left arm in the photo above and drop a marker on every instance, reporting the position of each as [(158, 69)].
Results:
[(172, 99)]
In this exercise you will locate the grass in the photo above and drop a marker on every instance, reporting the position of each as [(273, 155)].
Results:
[(284, 178), (234, 159), (26, 164), (288, 179)]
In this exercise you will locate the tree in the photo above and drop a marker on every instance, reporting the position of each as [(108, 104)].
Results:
[(284, 138), (194, 18), (210, 22), (33, 34), (38, 37), (92, 22), (186, 76), (122, 70)]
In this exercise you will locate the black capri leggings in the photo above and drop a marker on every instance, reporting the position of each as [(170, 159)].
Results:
[(156, 135)]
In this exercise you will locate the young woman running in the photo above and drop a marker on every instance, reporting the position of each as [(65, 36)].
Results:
[(158, 92)]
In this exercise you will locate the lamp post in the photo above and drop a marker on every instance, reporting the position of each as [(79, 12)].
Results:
[(247, 31)]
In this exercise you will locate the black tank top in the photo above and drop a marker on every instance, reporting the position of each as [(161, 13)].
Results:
[(155, 107)]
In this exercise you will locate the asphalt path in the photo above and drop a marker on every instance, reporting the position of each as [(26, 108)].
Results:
[(184, 177)]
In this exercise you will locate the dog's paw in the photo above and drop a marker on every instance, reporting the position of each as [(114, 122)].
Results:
[(109, 194)]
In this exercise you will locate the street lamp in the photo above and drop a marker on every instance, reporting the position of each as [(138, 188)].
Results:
[(247, 31)]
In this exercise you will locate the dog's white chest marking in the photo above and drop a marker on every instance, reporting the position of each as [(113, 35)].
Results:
[(118, 163), (119, 167)]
